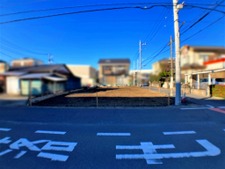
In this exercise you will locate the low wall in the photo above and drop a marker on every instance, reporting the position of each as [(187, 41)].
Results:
[(199, 92)]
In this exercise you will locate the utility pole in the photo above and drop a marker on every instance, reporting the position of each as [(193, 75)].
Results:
[(140, 54), (171, 66), (176, 8), (140, 57)]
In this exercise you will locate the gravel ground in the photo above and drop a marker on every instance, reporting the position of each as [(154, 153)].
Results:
[(110, 97)]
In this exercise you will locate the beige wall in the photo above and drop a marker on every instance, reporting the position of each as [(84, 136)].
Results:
[(25, 62), (114, 80), (87, 74)]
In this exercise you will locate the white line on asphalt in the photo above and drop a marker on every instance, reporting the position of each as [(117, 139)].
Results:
[(210, 106), (179, 132), (5, 152), (5, 129), (50, 132), (113, 134), (20, 154), (194, 108), (210, 150), (53, 157)]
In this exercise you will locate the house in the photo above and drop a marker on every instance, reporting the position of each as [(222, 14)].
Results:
[(39, 80), (162, 65), (114, 72), (3, 67), (25, 62), (140, 77), (202, 62), (87, 74)]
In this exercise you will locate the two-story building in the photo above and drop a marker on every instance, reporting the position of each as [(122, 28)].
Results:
[(87, 74), (203, 64), (114, 72), (3, 68), (25, 62)]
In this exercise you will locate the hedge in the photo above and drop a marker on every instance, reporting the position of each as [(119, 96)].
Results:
[(218, 90)]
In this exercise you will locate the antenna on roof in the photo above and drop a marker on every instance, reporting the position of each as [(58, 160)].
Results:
[(50, 59)]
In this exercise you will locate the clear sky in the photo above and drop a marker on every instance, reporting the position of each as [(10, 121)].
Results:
[(84, 38)]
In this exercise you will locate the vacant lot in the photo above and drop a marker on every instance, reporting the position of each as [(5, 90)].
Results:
[(110, 97)]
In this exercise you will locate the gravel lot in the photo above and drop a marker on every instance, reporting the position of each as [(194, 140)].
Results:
[(110, 97)]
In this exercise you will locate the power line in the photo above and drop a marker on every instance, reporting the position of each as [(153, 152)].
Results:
[(16, 46), (194, 5), (203, 28), (78, 6), (6, 55), (82, 11), (195, 23), (72, 13), (95, 10), (161, 51), (203, 17)]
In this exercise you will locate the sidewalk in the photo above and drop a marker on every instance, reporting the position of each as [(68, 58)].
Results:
[(11, 100), (196, 99), (206, 101)]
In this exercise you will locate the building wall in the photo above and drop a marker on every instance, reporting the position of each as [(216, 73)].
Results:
[(87, 74), (159, 66), (12, 85), (3, 67), (25, 62), (110, 76), (192, 56)]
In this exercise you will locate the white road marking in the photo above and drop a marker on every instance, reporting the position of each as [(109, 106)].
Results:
[(194, 108), (5, 140), (5, 129), (59, 146), (143, 145), (179, 132), (5, 152), (113, 134), (53, 157), (20, 154), (147, 148), (210, 106), (23, 142), (50, 132), (211, 150)]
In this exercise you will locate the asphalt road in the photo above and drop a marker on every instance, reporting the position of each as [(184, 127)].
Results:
[(83, 138)]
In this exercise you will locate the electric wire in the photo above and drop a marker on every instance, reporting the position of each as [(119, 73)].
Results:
[(5, 42)]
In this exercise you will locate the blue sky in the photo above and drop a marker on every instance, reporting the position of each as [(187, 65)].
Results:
[(87, 37)]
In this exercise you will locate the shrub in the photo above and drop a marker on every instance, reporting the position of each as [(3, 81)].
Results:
[(218, 91)]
